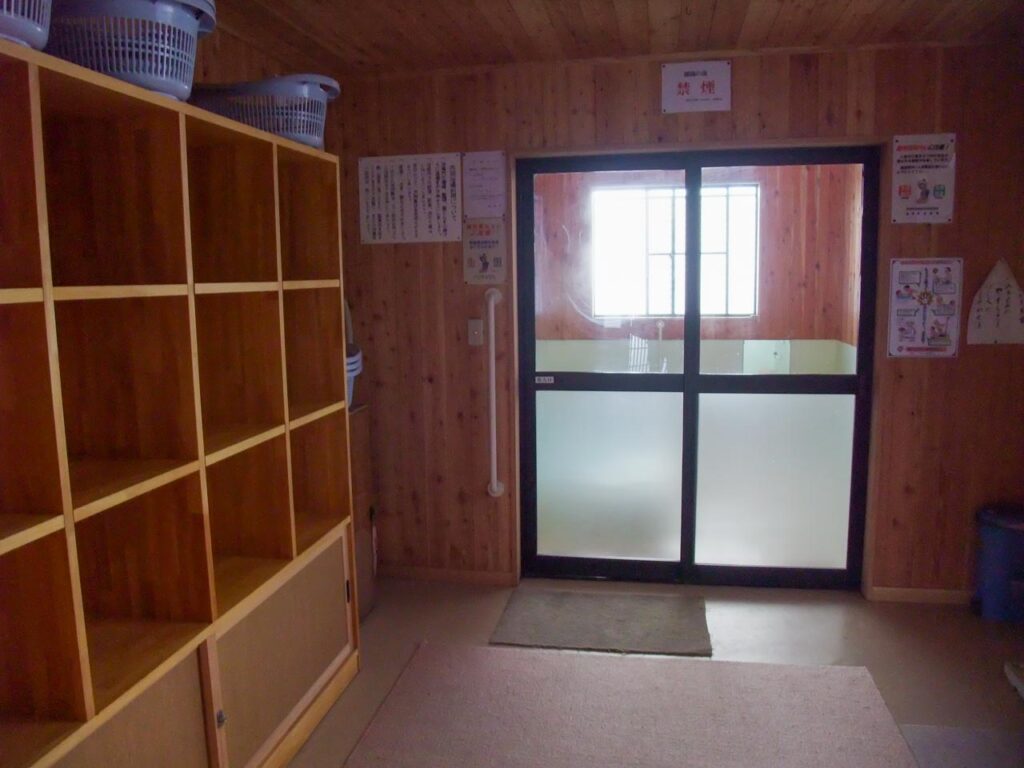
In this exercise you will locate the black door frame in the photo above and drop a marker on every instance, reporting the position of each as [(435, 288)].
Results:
[(692, 382)]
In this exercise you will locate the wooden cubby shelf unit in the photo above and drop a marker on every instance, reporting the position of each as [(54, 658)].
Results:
[(240, 371), (113, 186), (175, 444), (315, 351), (30, 496), (146, 584), (231, 198), (19, 224), (250, 520), (126, 377), (41, 683), (320, 477), (308, 192)]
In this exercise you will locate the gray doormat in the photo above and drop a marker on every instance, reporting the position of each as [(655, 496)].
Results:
[(624, 623)]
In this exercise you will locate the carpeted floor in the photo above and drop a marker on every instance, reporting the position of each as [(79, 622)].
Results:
[(625, 623), (939, 747), (462, 707)]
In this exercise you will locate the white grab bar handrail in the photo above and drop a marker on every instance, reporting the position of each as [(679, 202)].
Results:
[(495, 487)]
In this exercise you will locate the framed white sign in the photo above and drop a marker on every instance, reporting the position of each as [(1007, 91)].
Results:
[(483, 182), (410, 198), (696, 86), (923, 178)]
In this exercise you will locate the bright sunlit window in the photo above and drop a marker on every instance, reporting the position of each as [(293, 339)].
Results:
[(638, 237)]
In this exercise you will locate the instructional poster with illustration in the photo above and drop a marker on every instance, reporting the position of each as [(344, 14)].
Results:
[(923, 178), (925, 307), (484, 259)]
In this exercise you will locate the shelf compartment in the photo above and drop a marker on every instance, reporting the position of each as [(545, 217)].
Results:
[(29, 472), (145, 584), (314, 350), (320, 478), (231, 197), (114, 186), (308, 194), (20, 265), (41, 691), (126, 379), (250, 519), (240, 374)]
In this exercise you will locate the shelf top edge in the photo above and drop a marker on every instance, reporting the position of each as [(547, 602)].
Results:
[(11, 50)]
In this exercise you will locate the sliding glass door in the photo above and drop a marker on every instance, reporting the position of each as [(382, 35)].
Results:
[(695, 358)]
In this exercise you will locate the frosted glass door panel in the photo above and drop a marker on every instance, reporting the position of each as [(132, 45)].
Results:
[(773, 480), (609, 474)]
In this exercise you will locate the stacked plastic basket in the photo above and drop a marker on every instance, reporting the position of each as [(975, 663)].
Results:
[(353, 367), (25, 21), (151, 43), (293, 106)]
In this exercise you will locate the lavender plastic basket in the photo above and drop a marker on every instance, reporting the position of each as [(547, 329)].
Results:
[(294, 106), (151, 43), (25, 21)]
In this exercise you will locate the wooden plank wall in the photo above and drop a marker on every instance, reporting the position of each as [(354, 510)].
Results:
[(224, 58), (805, 242), (948, 435)]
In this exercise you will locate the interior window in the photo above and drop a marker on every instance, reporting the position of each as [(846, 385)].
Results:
[(638, 237)]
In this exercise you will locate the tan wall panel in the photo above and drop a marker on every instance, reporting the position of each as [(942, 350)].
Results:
[(273, 657), (163, 728)]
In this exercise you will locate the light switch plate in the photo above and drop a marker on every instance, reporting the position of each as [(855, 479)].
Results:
[(476, 332)]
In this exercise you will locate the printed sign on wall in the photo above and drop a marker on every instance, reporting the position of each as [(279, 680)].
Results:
[(924, 307), (410, 198), (997, 313), (484, 259), (923, 177), (483, 182), (696, 86)]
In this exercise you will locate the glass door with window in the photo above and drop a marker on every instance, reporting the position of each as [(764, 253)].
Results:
[(695, 364)]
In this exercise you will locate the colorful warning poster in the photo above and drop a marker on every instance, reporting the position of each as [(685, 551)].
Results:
[(925, 307), (923, 178), (484, 256), (410, 198)]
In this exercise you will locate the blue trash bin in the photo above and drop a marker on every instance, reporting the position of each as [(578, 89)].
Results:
[(1000, 592)]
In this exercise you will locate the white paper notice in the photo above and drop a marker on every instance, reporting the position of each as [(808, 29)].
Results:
[(997, 313), (484, 255), (410, 198), (696, 86), (923, 178), (924, 307), (483, 183)]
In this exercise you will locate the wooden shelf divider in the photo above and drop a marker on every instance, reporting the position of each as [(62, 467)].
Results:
[(21, 295), (17, 530), (102, 484)]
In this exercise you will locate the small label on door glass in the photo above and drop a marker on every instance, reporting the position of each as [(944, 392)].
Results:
[(544, 379)]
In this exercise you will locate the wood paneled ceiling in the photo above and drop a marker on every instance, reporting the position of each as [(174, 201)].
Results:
[(362, 36)]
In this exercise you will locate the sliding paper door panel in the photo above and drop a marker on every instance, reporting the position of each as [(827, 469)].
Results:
[(609, 474), (773, 480)]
